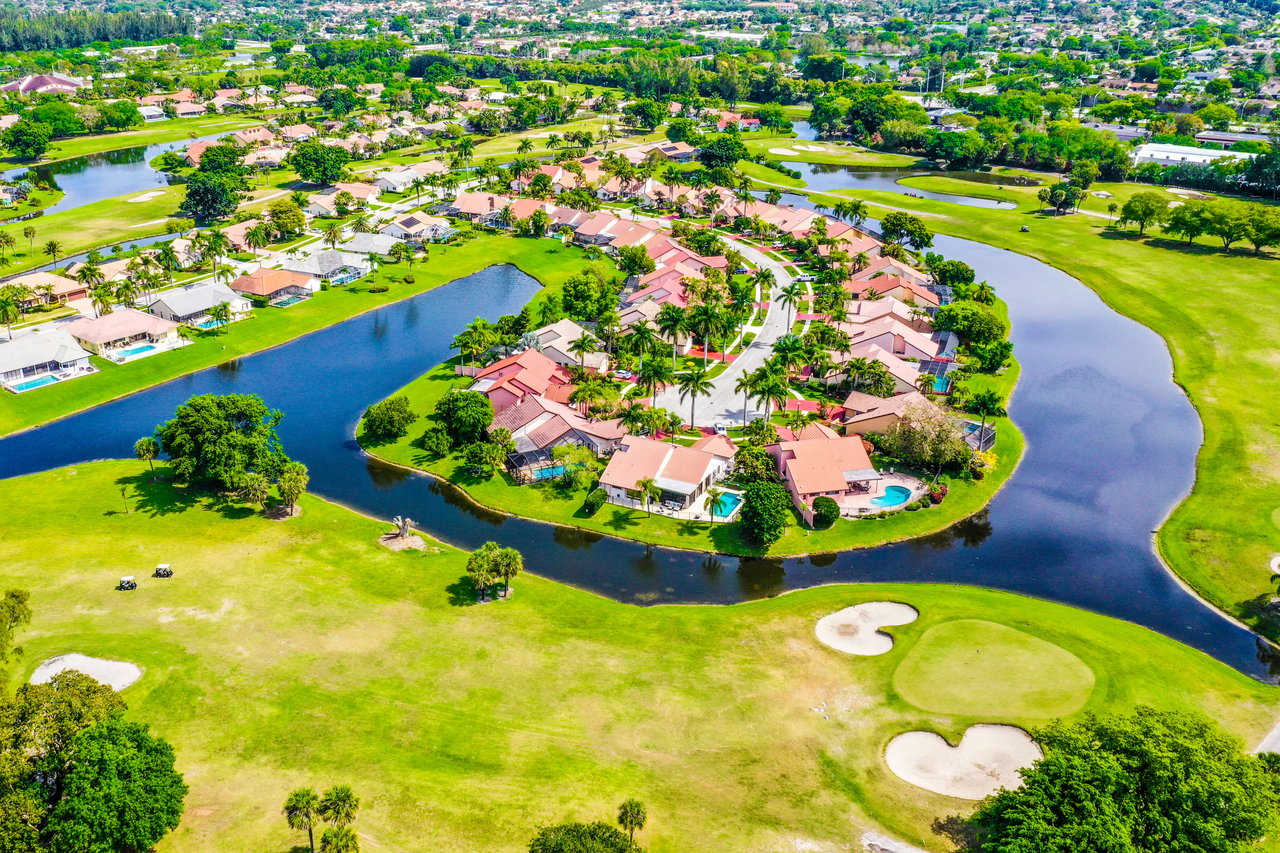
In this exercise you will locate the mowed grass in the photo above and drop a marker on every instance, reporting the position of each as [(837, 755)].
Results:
[(976, 667), (172, 130), (545, 260), (303, 653), (1218, 312), (828, 153), (549, 502)]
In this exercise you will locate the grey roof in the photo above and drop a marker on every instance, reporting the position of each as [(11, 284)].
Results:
[(379, 244), (326, 262), (40, 347), (192, 300)]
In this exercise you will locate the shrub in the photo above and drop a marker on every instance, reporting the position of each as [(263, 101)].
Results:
[(409, 279), (825, 512), (937, 493), (766, 510), (390, 418), (594, 501), (379, 288), (435, 443)]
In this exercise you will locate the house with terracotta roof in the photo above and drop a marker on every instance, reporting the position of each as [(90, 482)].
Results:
[(51, 287), (510, 380), (682, 474), (297, 132), (252, 136), (837, 468), (237, 231), (44, 84), (125, 333), (538, 425), (279, 287), (195, 151), (866, 413), (895, 286)]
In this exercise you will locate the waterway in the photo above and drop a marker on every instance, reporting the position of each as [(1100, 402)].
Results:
[(1111, 445)]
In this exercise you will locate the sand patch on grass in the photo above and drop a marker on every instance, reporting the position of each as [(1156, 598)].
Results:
[(987, 759), (811, 148), (116, 674), (146, 196), (856, 630), (789, 151)]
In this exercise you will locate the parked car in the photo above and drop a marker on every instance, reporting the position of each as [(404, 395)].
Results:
[(721, 429)]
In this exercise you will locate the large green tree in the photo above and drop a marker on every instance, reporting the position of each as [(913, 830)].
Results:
[(319, 164), (598, 837), (212, 196), (465, 415), (1150, 782), (121, 793), (27, 139), (218, 439), (766, 512)]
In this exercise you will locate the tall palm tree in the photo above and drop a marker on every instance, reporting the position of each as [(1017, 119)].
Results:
[(631, 814), (582, 346), (339, 839), (633, 417), (791, 296), (770, 386), (704, 321), (987, 404), (648, 491), (126, 292), (339, 805), (301, 810), (53, 249), (333, 235), (746, 385), (693, 385), (654, 372), (642, 338), (790, 352), (672, 321), (102, 297), (713, 501), (10, 312)]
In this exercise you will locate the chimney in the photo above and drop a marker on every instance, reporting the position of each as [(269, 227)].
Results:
[(491, 203)]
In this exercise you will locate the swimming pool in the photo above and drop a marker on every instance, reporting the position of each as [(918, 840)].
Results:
[(548, 473), (208, 324), (893, 496), (941, 384), (38, 382), (728, 504), (136, 351), (292, 300)]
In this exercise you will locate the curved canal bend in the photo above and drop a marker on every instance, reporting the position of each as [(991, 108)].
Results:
[(1111, 447)]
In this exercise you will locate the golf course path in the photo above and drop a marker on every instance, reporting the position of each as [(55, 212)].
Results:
[(874, 842), (1270, 743)]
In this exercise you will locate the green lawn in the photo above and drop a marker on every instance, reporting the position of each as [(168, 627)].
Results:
[(829, 153), (545, 260), (547, 502), (172, 130), (1218, 313), (302, 653)]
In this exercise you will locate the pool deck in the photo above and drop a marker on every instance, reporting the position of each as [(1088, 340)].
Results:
[(852, 506)]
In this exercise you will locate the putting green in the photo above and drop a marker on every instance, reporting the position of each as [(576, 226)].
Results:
[(979, 668)]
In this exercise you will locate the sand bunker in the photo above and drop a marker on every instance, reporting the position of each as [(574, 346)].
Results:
[(146, 196), (784, 151), (856, 630), (987, 759), (810, 148), (116, 674)]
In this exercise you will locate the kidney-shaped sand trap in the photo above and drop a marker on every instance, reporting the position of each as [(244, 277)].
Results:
[(116, 674), (856, 629), (987, 759)]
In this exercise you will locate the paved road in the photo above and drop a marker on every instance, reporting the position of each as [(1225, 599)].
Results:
[(723, 405)]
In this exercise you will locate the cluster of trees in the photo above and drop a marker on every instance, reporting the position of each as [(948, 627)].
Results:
[(31, 136), (229, 443), (218, 185), (463, 419), (491, 563), (22, 29), (304, 809), (925, 437), (1229, 221), (389, 419), (1148, 782), (596, 837)]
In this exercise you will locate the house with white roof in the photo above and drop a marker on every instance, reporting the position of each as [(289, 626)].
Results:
[(41, 357)]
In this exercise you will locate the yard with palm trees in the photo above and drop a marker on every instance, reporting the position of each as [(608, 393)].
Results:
[(302, 653)]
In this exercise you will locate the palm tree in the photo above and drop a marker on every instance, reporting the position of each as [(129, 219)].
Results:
[(764, 279), (102, 297), (790, 351), (257, 237), (693, 385), (30, 233), (705, 321), (167, 258), (769, 385), (746, 384), (647, 490), (214, 246), (525, 146), (583, 346), (339, 805), (10, 312), (713, 501), (672, 320), (53, 249), (333, 235), (126, 292), (987, 404), (220, 314), (654, 372), (633, 417), (631, 814), (339, 839), (642, 339), (790, 296), (301, 810)]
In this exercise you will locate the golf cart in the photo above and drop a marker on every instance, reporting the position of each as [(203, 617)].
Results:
[(127, 583), (163, 571)]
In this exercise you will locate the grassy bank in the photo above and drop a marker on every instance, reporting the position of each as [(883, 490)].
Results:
[(303, 653), (549, 502), (1218, 312), (545, 260)]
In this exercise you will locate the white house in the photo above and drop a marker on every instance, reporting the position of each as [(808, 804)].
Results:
[(47, 352), (191, 305), (419, 228), (396, 181), (330, 265), (1172, 155)]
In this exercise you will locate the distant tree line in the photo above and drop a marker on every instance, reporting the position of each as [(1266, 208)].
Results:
[(47, 31)]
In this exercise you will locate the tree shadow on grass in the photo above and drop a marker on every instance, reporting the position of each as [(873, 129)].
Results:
[(620, 520), (957, 830), (689, 527), (155, 497), (462, 592)]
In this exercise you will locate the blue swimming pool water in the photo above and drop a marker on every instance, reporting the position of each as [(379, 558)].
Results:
[(941, 384), (728, 503), (292, 300), (208, 324), (893, 496), (139, 350), (38, 382), (548, 473)]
